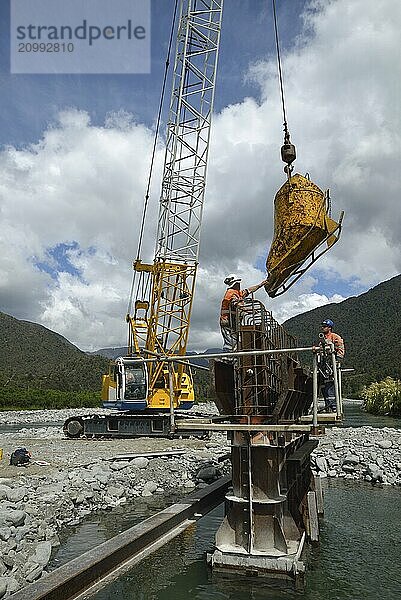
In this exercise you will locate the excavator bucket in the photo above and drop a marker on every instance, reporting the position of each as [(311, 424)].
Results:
[(303, 231)]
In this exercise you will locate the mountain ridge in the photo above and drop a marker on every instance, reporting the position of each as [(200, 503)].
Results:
[(370, 325), (34, 356)]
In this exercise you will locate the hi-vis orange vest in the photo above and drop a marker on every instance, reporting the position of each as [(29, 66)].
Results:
[(229, 296), (338, 343)]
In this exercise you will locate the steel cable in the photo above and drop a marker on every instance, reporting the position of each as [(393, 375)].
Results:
[(156, 136), (280, 72)]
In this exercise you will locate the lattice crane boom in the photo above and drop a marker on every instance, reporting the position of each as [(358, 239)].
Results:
[(161, 316)]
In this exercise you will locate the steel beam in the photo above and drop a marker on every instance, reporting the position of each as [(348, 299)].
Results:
[(124, 550), (182, 425)]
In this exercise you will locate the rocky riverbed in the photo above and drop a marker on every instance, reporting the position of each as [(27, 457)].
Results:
[(364, 453), (68, 479)]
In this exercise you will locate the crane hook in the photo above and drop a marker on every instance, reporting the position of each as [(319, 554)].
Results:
[(288, 151)]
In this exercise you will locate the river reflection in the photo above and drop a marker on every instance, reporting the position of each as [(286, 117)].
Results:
[(101, 526), (356, 417)]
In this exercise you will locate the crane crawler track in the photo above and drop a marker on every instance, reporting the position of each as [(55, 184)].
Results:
[(130, 425)]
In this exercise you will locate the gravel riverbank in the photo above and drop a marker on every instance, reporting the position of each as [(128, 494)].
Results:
[(68, 479)]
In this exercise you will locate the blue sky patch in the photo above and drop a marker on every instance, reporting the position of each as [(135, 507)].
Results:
[(327, 283), (330, 284), (58, 261), (247, 37)]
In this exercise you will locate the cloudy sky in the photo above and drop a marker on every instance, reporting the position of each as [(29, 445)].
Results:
[(75, 154)]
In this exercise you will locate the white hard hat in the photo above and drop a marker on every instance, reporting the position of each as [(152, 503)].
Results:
[(232, 279)]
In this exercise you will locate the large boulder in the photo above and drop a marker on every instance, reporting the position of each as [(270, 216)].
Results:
[(351, 459), (3, 568), (4, 489), (208, 474), (374, 472), (321, 464), (42, 553), (32, 572), (12, 584), (141, 462), (5, 533), (149, 488), (17, 494), (12, 517)]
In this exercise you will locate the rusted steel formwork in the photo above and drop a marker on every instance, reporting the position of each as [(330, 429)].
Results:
[(264, 530), (274, 387)]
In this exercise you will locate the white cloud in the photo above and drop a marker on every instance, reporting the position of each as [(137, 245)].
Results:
[(303, 303), (85, 184), (80, 184)]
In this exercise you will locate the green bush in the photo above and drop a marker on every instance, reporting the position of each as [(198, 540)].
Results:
[(383, 397), (30, 399), (202, 387)]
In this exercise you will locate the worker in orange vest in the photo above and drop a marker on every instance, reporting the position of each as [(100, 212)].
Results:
[(233, 296), (328, 389)]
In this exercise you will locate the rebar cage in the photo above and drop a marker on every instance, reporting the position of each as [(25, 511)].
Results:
[(261, 379)]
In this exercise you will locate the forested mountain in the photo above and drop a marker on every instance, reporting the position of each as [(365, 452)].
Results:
[(371, 327), (33, 356)]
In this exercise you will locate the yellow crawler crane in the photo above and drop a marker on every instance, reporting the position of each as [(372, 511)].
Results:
[(153, 378), (162, 292), (147, 384), (303, 231), (160, 327)]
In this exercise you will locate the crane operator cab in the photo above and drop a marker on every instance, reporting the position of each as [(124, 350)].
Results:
[(126, 385)]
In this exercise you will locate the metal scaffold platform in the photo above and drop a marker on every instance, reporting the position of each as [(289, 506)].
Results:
[(265, 394)]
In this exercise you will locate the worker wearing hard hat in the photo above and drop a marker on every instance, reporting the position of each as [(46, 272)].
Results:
[(232, 297), (328, 389), (330, 336)]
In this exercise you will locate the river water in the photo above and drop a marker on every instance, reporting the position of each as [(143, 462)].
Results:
[(358, 557), (19, 427), (356, 417)]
